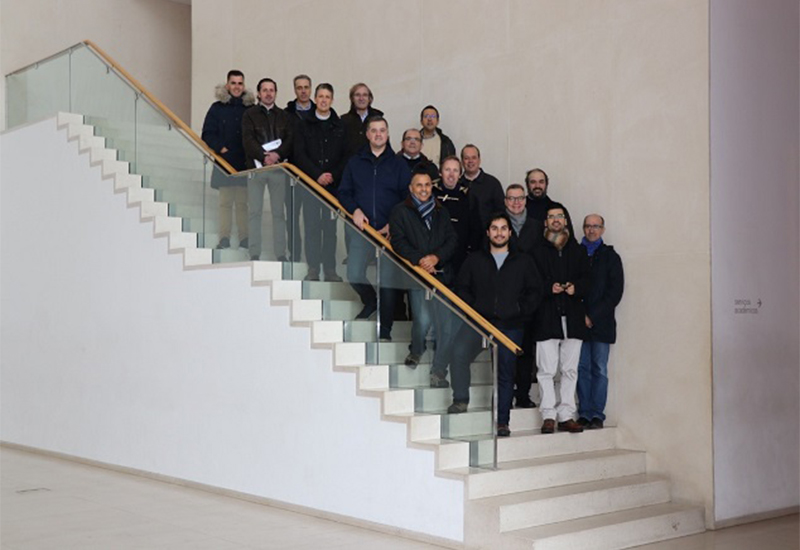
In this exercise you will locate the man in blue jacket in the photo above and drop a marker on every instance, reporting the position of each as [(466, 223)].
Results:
[(374, 181), (608, 282)]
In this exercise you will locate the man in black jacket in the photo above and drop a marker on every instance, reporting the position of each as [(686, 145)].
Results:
[(608, 281), (355, 120), (267, 125), (560, 325), (422, 233), (319, 152), (505, 288), (411, 153), (485, 192), (539, 201), (435, 144), (222, 131), (453, 196)]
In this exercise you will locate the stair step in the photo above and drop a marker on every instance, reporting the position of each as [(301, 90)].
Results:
[(320, 290), (401, 376), (367, 331), (614, 531), (429, 400), (547, 506)]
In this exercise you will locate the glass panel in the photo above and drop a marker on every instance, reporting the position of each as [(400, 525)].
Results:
[(38, 92), (225, 215)]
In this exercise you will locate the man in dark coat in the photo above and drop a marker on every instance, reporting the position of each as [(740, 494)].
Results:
[(435, 144), (267, 133), (559, 326), (485, 193), (319, 152), (222, 131), (539, 202), (454, 198), (608, 281), (411, 153), (355, 119), (422, 233), (505, 288)]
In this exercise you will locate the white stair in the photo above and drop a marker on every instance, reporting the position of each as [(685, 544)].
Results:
[(548, 492)]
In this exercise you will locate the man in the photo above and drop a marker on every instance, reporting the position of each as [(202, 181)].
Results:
[(412, 155), (608, 282), (422, 233), (504, 286), (267, 125), (485, 191), (319, 152), (374, 181), (355, 120), (222, 131), (453, 197), (301, 105), (559, 325), (538, 200), (526, 236), (436, 145)]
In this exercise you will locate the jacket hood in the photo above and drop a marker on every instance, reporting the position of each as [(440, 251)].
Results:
[(224, 96)]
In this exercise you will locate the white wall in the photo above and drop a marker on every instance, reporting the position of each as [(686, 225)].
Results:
[(111, 351), (151, 39), (755, 146)]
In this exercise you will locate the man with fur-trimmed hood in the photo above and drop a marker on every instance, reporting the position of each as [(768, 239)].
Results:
[(222, 131)]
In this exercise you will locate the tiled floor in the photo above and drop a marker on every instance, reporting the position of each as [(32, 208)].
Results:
[(47, 503)]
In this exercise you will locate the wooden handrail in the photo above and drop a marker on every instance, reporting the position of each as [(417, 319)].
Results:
[(154, 100)]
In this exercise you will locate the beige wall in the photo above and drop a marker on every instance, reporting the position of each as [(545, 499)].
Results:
[(610, 97), (151, 39)]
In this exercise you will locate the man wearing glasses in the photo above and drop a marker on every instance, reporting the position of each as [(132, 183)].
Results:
[(560, 321), (411, 153), (436, 145), (608, 282)]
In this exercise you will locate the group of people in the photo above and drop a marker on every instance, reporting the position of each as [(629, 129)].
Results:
[(512, 255)]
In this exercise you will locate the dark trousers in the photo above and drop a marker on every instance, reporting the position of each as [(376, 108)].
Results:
[(526, 364), (320, 234)]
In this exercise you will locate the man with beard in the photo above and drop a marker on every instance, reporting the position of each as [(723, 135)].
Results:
[(505, 288), (319, 152), (538, 200), (560, 322)]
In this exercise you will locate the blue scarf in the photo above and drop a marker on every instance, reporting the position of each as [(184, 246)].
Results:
[(592, 247), (425, 209)]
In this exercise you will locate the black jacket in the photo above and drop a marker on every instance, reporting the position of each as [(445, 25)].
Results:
[(222, 127), (422, 161), (260, 126), (570, 264), (447, 147), (291, 108), (456, 202), (412, 239), (530, 237), (355, 129), (506, 297), (319, 148), (486, 197), (537, 209), (608, 281)]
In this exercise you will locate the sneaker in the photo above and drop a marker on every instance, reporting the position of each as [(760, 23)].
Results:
[(439, 380), (503, 431), (224, 243), (332, 277), (368, 311), (570, 426), (412, 360), (457, 408), (595, 424), (244, 243), (548, 426), (313, 274)]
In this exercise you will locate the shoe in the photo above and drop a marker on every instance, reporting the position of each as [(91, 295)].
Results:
[(244, 243), (583, 422), (595, 424), (503, 431), (548, 426), (570, 426), (457, 408), (313, 275), (524, 404), (255, 257), (439, 381), (412, 360), (224, 243), (332, 277), (367, 312)]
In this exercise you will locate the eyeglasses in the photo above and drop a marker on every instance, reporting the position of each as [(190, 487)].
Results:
[(595, 227), (556, 217), (515, 199), (430, 117)]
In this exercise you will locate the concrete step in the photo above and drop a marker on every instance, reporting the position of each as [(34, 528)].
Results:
[(435, 400), (401, 376), (320, 290), (395, 352), (614, 531), (547, 506)]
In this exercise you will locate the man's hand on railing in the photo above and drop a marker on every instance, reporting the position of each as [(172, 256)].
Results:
[(429, 263), (360, 219), (325, 179)]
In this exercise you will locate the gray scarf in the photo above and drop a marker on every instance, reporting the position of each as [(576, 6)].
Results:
[(518, 221)]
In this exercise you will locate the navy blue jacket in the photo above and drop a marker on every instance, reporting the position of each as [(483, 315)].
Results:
[(375, 185), (608, 282), (222, 127)]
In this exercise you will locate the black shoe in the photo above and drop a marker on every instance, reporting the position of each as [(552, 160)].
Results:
[(584, 422), (412, 360), (368, 311), (524, 404), (224, 243), (439, 381), (457, 408), (503, 431), (244, 243), (595, 424)]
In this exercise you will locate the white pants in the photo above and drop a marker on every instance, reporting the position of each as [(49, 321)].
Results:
[(551, 356)]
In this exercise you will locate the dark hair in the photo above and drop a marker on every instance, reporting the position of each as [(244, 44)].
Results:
[(532, 170), (234, 72), (323, 86), (559, 206), (498, 216), (375, 118), (470, 146), (263, 80), (420, 169), (426, 108)]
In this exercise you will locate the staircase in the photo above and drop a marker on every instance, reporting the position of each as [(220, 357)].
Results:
[(560, 491)]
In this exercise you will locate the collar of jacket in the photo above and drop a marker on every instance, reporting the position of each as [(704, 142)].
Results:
[(366, 153), (312, 118), (224, 96)]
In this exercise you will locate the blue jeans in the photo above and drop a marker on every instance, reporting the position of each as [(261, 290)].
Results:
[(593, 380), (423, 319), (447, 325)]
